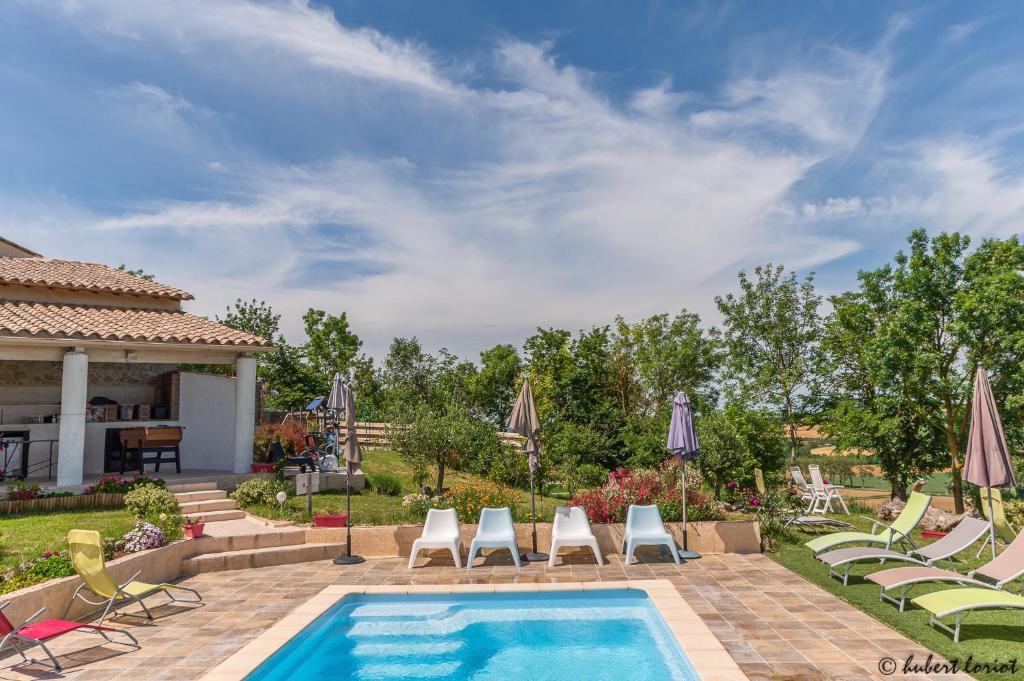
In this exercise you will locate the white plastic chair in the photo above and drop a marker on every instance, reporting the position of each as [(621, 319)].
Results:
[(828, 493), (644, 527), (571, 528), (495, 531), (440, 531), (810, 495)]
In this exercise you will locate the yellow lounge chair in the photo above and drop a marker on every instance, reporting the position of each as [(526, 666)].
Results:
[(87, 558), (1005, 532)]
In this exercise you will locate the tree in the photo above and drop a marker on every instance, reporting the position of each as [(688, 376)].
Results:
[(771, 336), (496, 385), (290, 382), (723, 451), (140, 273), (252, 317), (331, 346), (957, 310), (877, 400)]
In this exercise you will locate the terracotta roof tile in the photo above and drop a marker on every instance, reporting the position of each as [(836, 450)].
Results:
[(54, 320), (81, 276)]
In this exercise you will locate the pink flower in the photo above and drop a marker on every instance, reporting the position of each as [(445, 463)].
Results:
[(732, 484)]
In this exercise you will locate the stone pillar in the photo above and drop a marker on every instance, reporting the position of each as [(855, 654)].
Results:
[(71, 446), (245, 412)]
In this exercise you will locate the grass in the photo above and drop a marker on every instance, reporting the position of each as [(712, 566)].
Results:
[(371, 508), (23, 537), (987, 636)]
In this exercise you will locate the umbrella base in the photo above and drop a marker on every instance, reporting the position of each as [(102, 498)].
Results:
[(349, 560), (688, 555), (536, 557)]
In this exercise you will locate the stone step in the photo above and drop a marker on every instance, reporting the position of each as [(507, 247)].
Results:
[(213, 542), (206, 495), (212, 505), (253, 558), (214, 516), (192, 487)]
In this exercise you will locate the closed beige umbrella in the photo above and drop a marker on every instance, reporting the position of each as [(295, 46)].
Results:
[(525, 422), (343, 398)]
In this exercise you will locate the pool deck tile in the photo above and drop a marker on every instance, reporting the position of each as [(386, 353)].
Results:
[(772, 623)]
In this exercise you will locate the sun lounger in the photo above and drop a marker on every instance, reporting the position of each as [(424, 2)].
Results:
[(571, 528), (967, 531), (808, 494), (1005, 532), (495, 531), (644, 527), (896, 533), (995, 574), (87, 558), (28, 635), (958, 602), (440, 531)]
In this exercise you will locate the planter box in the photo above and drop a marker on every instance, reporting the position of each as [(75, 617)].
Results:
[(261, 467), (330, 520)]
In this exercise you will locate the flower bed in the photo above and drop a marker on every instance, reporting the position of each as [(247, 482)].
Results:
[(610, 502)]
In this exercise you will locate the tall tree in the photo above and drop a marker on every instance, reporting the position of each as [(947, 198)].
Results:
[(771, 336), (253, 317), (331, 346), (496, 384)]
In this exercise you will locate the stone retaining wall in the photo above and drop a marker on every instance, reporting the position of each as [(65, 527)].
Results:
[(742, 536)]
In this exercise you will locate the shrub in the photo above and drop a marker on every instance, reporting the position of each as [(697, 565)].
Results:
[(384, 483), (291, 435), (144, 536), (470, 498), (116, 484), (509, 466), (585, 476), (149, 501), (261, 490), (610, 502), (23, 490), (419, 504)]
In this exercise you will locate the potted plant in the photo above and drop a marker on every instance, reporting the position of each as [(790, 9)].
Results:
[(194, 530), (261, 468), (330, 518)]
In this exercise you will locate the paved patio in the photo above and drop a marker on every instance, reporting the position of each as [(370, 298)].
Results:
[(773, 623)]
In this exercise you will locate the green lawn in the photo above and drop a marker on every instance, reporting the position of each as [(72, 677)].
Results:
[(988, 636), (370, 508), (26, 536)]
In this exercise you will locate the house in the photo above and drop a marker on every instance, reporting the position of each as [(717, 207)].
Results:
[(86, 350)]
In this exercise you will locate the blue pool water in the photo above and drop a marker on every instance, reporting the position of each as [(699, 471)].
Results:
[(542, 636)]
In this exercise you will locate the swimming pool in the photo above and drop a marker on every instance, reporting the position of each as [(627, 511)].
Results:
[(553, 635)]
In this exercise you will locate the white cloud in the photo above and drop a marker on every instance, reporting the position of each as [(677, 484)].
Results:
[(568, 210)]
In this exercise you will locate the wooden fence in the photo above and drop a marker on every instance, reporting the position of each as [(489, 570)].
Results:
[(62, 503), (374, 435)]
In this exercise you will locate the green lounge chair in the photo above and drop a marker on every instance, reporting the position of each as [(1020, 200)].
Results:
[(1005, 534), (896, 533), (958, 602)]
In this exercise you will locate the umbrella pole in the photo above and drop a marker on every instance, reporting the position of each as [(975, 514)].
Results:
[(534, 555), (991, 524), (348, 558), (685, 553)]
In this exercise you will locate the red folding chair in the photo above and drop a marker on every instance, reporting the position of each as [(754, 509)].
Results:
[(25, 635)]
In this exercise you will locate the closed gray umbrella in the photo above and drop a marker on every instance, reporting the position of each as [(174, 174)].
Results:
[(343, 398), (525, 422), (987, 462), (682, 442)]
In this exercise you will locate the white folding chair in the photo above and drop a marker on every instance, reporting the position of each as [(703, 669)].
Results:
[(495, 531), (828, 492), (809, 494), (440, 531), (644, 527), (571, 528)]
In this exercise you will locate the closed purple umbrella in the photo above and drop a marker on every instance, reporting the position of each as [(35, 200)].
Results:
[(525, 422), (343, 399), (682, 442), (987, 462)]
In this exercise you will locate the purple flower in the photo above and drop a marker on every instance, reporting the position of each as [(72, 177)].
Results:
[(732, 484), (754, 501)]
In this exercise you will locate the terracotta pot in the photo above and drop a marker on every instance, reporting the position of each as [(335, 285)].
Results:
[(194, 530), (261, 467), (330, 520)]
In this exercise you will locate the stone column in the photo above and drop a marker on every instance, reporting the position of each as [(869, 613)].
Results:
[(245, 411), (71, 446)]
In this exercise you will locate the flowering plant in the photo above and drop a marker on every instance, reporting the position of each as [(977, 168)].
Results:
[(470, 498), (290, 434), (116, 484), (610, 502), (143, 537), (419, 504), (22, 490)]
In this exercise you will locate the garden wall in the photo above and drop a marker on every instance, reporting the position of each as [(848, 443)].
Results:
[(742, 536)]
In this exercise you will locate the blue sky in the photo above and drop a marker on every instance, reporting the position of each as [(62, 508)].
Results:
[(466, 171)]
